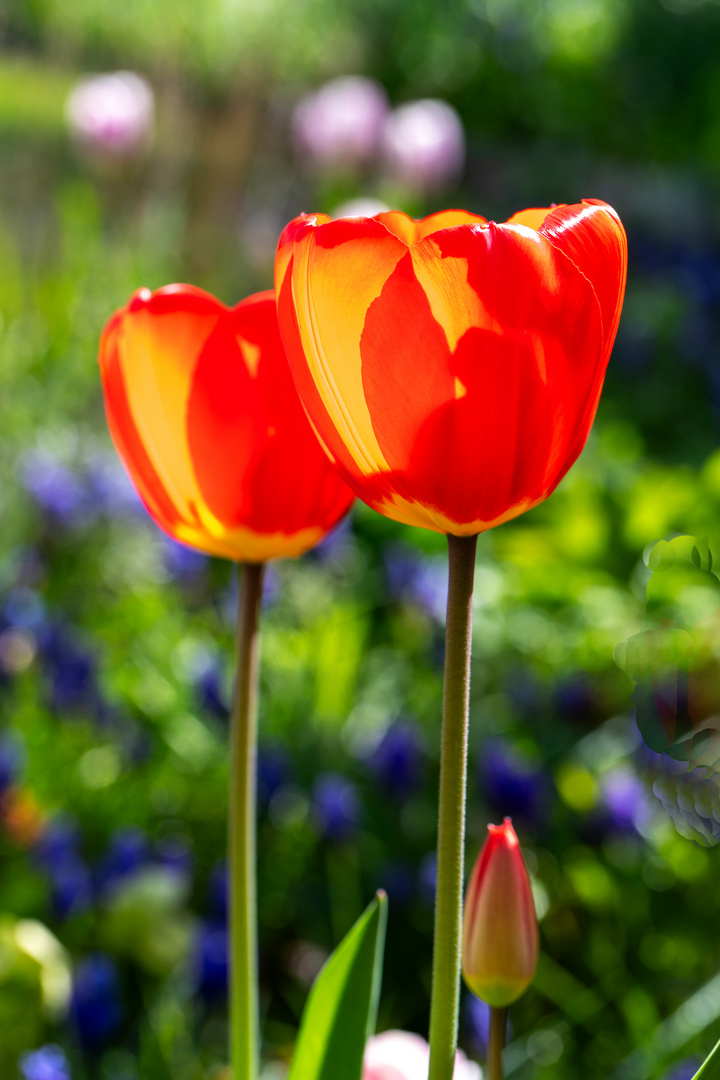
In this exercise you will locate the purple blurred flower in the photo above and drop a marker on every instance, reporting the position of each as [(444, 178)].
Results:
[(574, 698), (128, 850), (341, 123), (183, 563), (24, 609), (397, 878), (71, 672), (58, 853), (511, 785), (218, 892), (625, 799), (72, 887), (418, 580), (210, 692), (424, 143), (273, 770), (11, 760), (477, 1023), (336, 807), (60, 837), (335, 545), (211, 961), (54, 487), (95, 1006), (111, 488), (112, 115), (174, 853), (48, 1063), (683, 1070), (427, 878), (397, 760)]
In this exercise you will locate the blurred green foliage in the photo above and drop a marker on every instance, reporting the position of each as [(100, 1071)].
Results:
[(116, 653)]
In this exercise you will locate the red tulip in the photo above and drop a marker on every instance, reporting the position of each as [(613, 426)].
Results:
[(452, 367), (204, 414), (500, 932)]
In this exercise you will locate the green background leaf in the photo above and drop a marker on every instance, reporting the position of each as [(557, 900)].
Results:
[(342, 1007)]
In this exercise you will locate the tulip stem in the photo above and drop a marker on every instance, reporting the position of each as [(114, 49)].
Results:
[(445, 1003), (496, 1043), (244, 1023)]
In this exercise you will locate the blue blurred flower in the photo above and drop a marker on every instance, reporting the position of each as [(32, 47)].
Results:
[(48, 1063), (72, 887), (183, 563), (218, 892), (71, 671), (416, 579), (477, 1023), (25, 609), (61, 839), (54, 487), (397, 760), (210, 691), (510, 784), (683, 1070), (96, 1006), (11, 760), (128, 850), (58, 853), (397, 878), (111, 488), (336, 807), (174, 853), (335, 545), (625, 799), (427, 878), (575, 699), (211, 960), (273, 770)]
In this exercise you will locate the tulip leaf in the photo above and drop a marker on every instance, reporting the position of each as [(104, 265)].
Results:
[(341, 1010), (710, 1068)]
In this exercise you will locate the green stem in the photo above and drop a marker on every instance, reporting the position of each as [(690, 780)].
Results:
[(244, 1024), (445, 1004), (496, 1043)]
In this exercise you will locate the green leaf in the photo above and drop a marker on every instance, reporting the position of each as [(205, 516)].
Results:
[(710, 1068), (342, 1007)]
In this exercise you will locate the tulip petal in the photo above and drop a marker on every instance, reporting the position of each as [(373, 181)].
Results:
[(338, 270), (492, 407), (592, 235), (124, 434), (203, 410)]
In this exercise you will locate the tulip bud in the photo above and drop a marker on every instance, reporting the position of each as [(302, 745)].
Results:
[(500, 931)]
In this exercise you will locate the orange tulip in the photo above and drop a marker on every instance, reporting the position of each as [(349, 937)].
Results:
[(204, 414), (452, 367), (500, 931)]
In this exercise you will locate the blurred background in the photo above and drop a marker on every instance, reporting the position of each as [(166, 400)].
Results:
[(211, 126)]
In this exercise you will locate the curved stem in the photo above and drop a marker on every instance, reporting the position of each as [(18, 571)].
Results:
[(496, 1043), (445, 1002), (244, 1024)]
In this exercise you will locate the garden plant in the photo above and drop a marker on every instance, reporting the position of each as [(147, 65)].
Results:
[(358, 640)]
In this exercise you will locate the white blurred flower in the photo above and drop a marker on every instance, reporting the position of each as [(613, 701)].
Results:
[(362, 207), (342, 122), (424, 143), (400, 1055), (112, 115)]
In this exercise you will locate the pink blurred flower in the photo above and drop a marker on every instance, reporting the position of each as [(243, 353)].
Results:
[(112, 115), (424, 143), (400, 1055), (342, 122)]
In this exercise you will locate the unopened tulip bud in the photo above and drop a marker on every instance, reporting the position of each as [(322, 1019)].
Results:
[(500, 931)]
